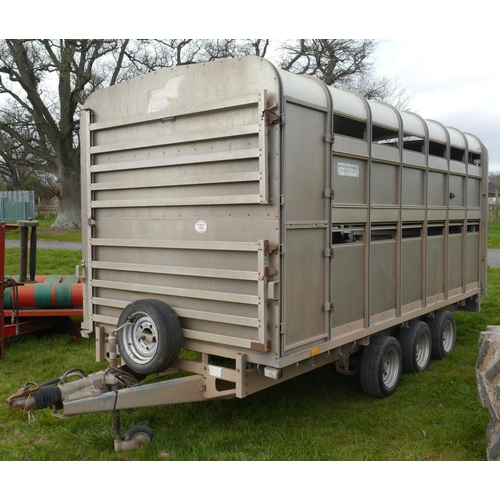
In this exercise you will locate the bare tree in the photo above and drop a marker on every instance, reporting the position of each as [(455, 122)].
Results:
[(151, 55), (334, 61), (380, 89), (18, 143), (46, 82), (13, 176)]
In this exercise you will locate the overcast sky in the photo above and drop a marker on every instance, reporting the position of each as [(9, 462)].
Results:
[(454, 82)]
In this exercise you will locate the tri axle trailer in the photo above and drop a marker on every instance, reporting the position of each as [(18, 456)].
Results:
[(244, 225)]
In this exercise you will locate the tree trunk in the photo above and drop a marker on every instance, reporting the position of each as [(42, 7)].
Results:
[(69, 214)]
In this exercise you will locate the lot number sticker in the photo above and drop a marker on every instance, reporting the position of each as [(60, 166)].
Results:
[(201, 226)]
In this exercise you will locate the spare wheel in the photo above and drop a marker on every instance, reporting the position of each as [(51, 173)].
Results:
[(151, 337)]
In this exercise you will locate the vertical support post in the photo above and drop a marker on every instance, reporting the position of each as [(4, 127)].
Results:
[(113, 363), (262, 293), (23, 259), (263, 160), (2, 288), (241, 384), (23, 255), (87, 226), (399, 231), (33, 240)]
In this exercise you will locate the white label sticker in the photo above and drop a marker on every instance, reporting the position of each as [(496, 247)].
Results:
[(201, 226), (348, 170), (215, 371)]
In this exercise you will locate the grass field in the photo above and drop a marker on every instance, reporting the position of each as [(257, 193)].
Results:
[(321, 416), (494, 232), (44, 233)]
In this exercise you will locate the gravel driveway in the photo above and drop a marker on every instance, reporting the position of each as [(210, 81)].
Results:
[(493, 257), (47, 245)]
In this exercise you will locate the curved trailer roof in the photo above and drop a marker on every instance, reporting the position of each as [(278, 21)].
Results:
[(353, 105), (252, 72)]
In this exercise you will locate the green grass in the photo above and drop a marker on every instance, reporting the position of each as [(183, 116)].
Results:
[(44, 233), (319, 416), (47, 261), (494, 232), (433, 416)]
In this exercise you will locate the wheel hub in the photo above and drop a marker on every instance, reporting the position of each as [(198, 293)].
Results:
[(447, 336), (390, 368), (141, 338), (422, 350)]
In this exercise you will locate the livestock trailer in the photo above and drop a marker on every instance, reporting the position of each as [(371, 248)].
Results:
[(247, 225)]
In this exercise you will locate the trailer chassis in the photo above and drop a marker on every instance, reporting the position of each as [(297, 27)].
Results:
[(116, 388)]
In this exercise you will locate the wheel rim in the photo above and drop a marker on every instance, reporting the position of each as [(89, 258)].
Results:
[(448, 336), (390, 368), (142, 437), (422, 350), (140, 339)]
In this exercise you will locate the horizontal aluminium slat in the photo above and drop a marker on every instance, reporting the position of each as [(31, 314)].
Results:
[(189, 313), (167, 140), (193, 180), (177, 271), (219, 339), (191, 334), (234, 246), (108, 320), (222, 104), (222, 156), (247, 199), (235, 298)]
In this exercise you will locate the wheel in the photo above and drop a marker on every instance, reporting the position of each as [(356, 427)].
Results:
[(443, 332), (415, 343), (488, 384), (488, 371), (493, 440), (151, 339), (139, 433), (381, 366)]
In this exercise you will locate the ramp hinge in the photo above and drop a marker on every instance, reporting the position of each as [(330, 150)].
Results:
[(282, 200), (91, 222), (282, 328), (268, 248), (329, 193), (330, 138), (271, 117), (271, 104), (329, 252), (269, 271), (329, 306), (282, 249)]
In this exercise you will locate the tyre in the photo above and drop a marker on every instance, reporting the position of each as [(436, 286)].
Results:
[(488, 386), (488, 371), (416, 345), (140, 433), (493, 440), (443, 332), (381, 366), (151, 337)]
